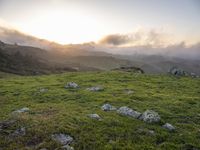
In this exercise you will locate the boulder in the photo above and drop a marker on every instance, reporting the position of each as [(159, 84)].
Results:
[(94, 116), (108, 107), (169, 127), (95, 89), (128, 112), (150, 116), (63, 139), (72, 85)]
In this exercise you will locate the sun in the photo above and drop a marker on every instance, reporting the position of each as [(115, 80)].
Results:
[(64, 26)]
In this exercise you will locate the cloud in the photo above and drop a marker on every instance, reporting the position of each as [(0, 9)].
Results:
[(152, 37)]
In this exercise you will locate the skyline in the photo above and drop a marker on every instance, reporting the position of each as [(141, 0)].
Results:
[(66, 21)]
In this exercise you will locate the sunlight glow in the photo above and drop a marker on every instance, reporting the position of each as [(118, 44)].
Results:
[(63, 27)]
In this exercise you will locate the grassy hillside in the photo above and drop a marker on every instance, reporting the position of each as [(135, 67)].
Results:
[(61, 110)]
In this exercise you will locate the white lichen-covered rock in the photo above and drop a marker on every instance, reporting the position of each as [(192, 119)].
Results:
[(169, 127), (22, 110), (95, 88), (128, 112), (71, 85), (63, 139), (94, 116), (150, 116), (108, 107)]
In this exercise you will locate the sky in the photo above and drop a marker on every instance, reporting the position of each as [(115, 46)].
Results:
[(79, 21)]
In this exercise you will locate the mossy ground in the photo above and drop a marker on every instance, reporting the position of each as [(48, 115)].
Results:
[(61, 110)]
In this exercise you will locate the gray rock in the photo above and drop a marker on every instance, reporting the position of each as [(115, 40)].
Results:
[(169, 127), (95, 89), (23, 110), (150, 116), (94, 116), (71, 85), (108, 107), (19, 132), (67, 147), (128, 112), (178, 72), (43, 149), (63, 139)]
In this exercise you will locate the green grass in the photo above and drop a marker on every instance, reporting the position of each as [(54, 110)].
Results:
[(61, 110)]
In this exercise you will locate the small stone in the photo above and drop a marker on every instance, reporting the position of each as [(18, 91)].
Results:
[(63, 139), (23, 110), (169, 127), (151, 132), (43, 149), (108, 107), (43, 90), (150, 116), (128, 112), (67, 147), (71, 85), (129, 91), (95, 89), (94, 116)]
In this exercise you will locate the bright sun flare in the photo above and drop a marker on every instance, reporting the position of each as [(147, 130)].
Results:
[(64, 27)]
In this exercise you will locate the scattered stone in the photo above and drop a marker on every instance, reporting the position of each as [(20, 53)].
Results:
[(23, 110), (19, 132), (150, 116), (108, 107), (43, 149), (94, 116), (67, 147), (95, 88), (151, 132), (63, 139), (146, 132), (72, 85), (43, 90), (129, 92), (169, 127), (128, 112)]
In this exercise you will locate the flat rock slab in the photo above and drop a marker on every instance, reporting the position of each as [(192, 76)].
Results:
[(108, 107), (63, 139), (126, 111), (150, 116)]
